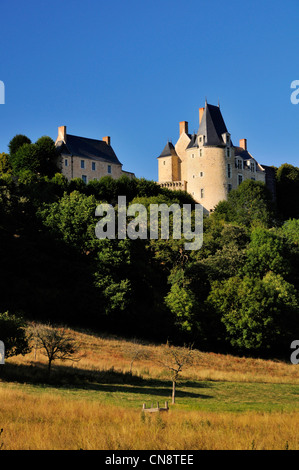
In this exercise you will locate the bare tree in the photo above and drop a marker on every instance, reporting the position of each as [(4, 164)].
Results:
[(174, 360), (136, 351), (56, 343)]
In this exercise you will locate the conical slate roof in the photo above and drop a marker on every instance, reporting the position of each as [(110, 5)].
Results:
[(212, 125), (168, 150)]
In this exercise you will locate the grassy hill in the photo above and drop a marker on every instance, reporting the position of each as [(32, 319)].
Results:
[(222, 401)]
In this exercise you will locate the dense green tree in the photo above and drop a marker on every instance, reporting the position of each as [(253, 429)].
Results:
[(112, 261), (183, 304), (258, 314), (266, 252), (5, 165), (26, 158), (249, 205), (290, 230), (72, 219), (48, 156), (13, 334), (39, 158), (16, 142)]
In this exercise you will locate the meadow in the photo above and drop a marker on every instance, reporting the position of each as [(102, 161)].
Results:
[(222, 401)]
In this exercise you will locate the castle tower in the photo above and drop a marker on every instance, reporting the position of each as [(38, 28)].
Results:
[(168, 164), (206, 163), (207, 154)]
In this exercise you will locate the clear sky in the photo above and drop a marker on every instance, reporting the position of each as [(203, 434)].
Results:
[(134, 69)]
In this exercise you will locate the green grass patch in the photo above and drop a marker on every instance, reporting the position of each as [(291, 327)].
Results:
[(205, 395)]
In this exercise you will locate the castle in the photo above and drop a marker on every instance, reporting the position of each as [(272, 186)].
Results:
[(207, 164)]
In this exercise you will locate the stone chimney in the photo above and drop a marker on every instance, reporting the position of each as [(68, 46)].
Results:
[(107, 140), (183, 127), (61, 134), (243, 144), (201, 110)]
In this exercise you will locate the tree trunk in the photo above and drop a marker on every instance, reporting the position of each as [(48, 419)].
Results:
[(49, 367), (173, 392)]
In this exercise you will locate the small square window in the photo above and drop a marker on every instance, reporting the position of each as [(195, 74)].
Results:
[(82, 164), (201, 173), (93, 166), (109, 169)]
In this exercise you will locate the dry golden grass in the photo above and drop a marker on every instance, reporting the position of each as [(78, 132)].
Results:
[(104, 353), (48, 421), (57, 419)]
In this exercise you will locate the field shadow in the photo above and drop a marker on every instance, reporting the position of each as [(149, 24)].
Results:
[(109, 381)]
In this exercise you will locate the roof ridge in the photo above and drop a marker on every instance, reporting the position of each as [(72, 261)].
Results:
[(86, 138)]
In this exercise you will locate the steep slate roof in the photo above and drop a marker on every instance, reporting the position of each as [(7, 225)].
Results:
[(192, 142), (240, 152), (88, 148), (168, 150), (245, 155), (212, 125)]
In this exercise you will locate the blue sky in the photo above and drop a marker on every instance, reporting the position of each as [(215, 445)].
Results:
[(134, 69)]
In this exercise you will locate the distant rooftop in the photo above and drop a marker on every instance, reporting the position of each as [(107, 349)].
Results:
[(87, 148)]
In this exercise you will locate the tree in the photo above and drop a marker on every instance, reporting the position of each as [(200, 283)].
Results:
[(5, 165), (16, 142), (290, 230), (48, 156), (249, 205), (174, 359), (56, 343), (40, 157), (266, 252), (183, 304), (287, 177), (258, 314), (26, 158), (135, 351), (112, 268), (13, 334), (72, 219)]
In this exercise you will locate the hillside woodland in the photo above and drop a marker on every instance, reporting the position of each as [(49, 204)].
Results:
[(237, 294)]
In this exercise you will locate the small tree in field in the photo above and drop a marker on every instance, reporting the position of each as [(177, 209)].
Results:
[(56, 343), (174, 360), (136, 351)]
